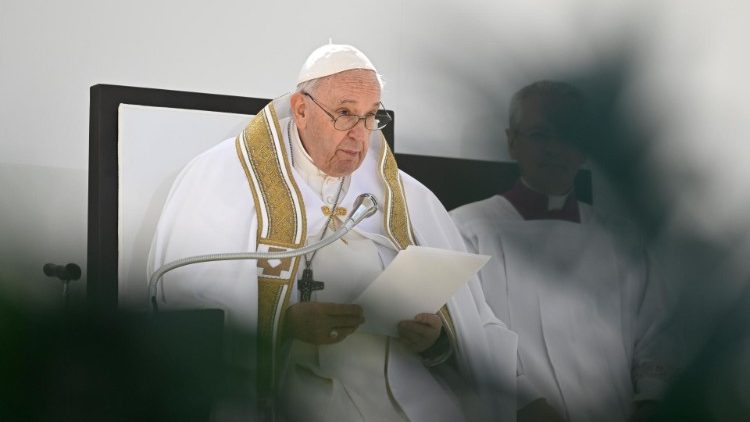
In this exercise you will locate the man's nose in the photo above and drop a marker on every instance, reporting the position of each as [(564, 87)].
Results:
[(359, 131)]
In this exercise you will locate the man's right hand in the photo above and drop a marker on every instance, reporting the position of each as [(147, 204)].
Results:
[(322, 323)]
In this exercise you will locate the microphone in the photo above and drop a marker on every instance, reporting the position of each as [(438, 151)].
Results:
[(66, 273), (365, 205)]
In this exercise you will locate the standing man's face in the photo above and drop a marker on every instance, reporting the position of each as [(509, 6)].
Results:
[(337, 153), (543, 143)]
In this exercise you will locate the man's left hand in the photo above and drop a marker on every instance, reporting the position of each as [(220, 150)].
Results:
[(421, 332)]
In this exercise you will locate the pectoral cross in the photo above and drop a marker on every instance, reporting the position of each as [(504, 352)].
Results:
[(306, 285)]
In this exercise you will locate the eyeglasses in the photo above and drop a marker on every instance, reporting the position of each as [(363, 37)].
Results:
[(373, 121)]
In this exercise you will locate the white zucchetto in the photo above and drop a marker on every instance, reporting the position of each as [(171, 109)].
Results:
[(333, 58)]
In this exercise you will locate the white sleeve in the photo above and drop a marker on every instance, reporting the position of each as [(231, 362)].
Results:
[(210, 210)]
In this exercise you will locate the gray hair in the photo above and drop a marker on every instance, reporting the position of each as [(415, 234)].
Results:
[(311, 85), (546, 88)]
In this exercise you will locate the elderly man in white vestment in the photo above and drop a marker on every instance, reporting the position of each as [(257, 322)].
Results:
[(288, 180), (576, 289)]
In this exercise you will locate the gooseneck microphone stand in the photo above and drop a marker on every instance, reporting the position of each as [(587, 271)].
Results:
[(364, 206)]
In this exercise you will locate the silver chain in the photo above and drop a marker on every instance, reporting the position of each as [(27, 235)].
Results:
[(308, 261)]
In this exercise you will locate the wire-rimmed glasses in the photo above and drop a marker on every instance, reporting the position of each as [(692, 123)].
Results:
[(373, 121)]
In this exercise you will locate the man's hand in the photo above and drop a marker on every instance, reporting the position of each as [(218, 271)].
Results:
[(322, 323), (421, 332)]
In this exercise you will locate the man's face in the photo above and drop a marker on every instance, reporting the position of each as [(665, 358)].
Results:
[(335, 152), (543, 143)]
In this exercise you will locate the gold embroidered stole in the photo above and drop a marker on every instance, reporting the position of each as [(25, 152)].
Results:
[(282, 225), (396, 221)]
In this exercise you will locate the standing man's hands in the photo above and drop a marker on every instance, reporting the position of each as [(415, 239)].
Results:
[(322, 323), (420, 333)]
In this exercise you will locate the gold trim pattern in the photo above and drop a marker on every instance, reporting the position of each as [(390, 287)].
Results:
[(274, 190), (396, 215)]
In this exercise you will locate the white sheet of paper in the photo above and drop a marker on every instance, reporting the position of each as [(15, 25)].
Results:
[(420, 279)]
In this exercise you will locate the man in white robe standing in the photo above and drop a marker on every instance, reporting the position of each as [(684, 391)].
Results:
[(288, 180), (578, 292)]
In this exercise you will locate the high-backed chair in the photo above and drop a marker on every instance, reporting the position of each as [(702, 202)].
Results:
[(139, 140)]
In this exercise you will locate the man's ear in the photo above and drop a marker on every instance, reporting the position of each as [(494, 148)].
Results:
[(512, 143), (297, 101)]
